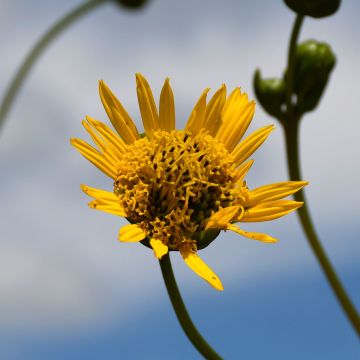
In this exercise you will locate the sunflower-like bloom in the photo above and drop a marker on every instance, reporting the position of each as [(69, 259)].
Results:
[(179, 188)]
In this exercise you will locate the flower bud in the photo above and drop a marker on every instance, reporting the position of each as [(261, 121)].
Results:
[(314, 62), (314, 8), (271, 94), (131, 4)]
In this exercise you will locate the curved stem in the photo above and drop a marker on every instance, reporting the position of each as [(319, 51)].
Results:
[(291, 128), (291, 63), (181, 313), (292, 151), (37, 50)]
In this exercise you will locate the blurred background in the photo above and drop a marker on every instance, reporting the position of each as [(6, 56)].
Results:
[(69, 289)]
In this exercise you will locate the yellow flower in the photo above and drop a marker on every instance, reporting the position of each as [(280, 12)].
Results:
[(179, 188)]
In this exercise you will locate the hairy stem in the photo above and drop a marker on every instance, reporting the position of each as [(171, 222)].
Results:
[(180, 310)]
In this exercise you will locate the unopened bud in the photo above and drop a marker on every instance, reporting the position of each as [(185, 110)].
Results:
[(271, 94), (314, 62), (314, 8), (131, 4)]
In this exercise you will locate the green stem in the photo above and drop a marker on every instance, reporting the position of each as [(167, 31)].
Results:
[(180, 310), (291, 63), (291, 128), (37, 50), (292, 150)]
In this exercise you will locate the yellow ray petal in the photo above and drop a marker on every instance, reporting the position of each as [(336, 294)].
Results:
[(147, 105), (252, 235), (98, 193), (94, 157), (160, 249), (248, 146), (270, 210), (197, 117), (237, 114), (167, 108), (213, 119), (274, 192), (194, 262), (106, 151), (110, 207), (243, 170), (131, 233), (118, 116), (113, 140), (222, 218)]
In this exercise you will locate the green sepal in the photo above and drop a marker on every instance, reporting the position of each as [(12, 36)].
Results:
[(314, 8), (271, 94)]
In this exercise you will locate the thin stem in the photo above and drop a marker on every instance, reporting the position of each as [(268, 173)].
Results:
[(292, 150), (37, 50), (181, 313), (291, 128), (291, 63)]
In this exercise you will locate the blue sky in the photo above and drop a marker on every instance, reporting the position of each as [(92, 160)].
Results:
[(69, 289)]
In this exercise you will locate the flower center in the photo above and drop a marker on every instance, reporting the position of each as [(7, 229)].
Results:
[(171, 184)]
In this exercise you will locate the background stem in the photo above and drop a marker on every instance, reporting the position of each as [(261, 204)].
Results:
[(180, 310), (37, 50), (291, 127), (292, 151), (291, 64)]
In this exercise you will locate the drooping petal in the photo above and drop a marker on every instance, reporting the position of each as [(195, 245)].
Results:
[(167, 108), (222, 218), (253, 235), (94, 157), (131, 233), (160, 249), (118, 116), (147, 105), (237, 114), (197, 117), (249, 145), (274, 192), (213, 118), (270, 210), (200, 268)]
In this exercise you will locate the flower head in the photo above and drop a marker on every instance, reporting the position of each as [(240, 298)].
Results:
[(179, 188)]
